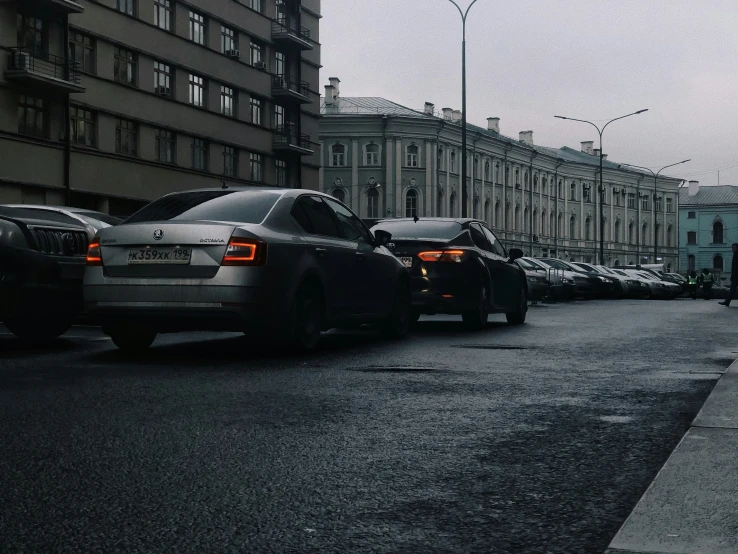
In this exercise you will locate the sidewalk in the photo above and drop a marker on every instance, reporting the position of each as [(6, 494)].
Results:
[(691, 507)]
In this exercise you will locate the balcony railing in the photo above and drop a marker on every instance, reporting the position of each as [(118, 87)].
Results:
[(27, 64), (281, 86), (285, 30), (287, 139)]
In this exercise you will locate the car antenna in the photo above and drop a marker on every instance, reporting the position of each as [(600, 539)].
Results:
[(416, 219)]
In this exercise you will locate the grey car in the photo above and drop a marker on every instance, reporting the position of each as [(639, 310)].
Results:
[(269, 262)]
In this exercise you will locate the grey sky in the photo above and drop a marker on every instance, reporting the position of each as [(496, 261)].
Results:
[(529, 60)]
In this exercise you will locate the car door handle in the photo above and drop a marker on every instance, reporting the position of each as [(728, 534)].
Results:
[(321, 251)]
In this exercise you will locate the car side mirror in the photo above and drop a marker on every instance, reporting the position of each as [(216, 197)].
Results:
[(382, 237), (516, 253)]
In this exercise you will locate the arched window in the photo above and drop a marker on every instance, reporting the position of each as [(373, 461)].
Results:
[(475, 208), (657, 227), (690, 262), (497, 214), (517, 178), (441, 158), (544, 182), (717, 263), (476, 168), (487, 172), (452, 205), (339, 194), (644, 234), (717, 232), (516, 221), (372, 154), (412, 156), (497, 173), (526, 221), (372, 203), (535, 221), (573, 195), (411, 203), (617, 263), (525, 180), (439, 204), (535, 183), (561, 189), (572, 227), (587, 222), (561, 226), (552, 225), (507, 175), (668, 268), (668, 236), (453, 161), (338, 155), (543, 223), (617, 231), (630, 233), (486, 211)]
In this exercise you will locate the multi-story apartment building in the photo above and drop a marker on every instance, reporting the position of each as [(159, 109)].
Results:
[(387, 160), (708, 220), (109, 104)]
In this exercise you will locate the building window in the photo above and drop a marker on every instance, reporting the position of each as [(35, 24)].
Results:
[(199, 154), (411, 203), (690, 262), (372, 203), (279, 117), (32, 33), (615, 198), (669, 207), (164, 146), (631, 200), (587, 193), (197, 91), (227, 101), (280, 64), (497, 173), (587, 222), (339, 194), (126, 6), (691, 215), (163, 14), (535, 183), (82, 126), (372, 154), (475, 168), (412, 156), (630, 233), (162, 79), (255, 162), (617, 232), (82, 51), (669, 231), (658, 204), (255, 111), (644, 202), (644, 234), (573, 192), (572, 227), (717, 263), (227, 39), (338, 155), (717, 233), (256, 51), (197, 27), (441, 158), (487, 170), (453, 162), (32, 116), (230, 161), (126, 137), (452, 205), (255, 5), (125, 66), (281, 173)]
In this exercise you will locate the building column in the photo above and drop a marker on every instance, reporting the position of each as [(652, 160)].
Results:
[(321, 171), (582, 216), (427, 189), (389, 191), (399, 207), (447, 195), (565, 219), (355, 192)]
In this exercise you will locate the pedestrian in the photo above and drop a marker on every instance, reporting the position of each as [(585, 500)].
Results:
[(692, 284), (733, 276), (707, 281)]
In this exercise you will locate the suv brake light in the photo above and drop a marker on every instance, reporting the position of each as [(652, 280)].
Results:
[(94, 255), (456, 256), (242, 251)]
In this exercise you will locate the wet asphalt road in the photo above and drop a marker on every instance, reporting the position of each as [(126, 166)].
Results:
[(538, 438)]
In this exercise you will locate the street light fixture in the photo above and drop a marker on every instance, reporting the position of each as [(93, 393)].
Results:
[(464, 196), (602, 186), (655, 177)]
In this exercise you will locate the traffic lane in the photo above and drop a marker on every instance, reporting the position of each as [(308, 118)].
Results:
[(350, 448)]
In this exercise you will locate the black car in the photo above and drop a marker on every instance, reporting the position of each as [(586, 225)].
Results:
[(458, 266), (603, 286)]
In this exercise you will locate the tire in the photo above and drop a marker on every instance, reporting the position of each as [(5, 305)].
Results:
[(38, 331), (130, 338), (476, 319), (397, 325), (306, 318), (518, 316)]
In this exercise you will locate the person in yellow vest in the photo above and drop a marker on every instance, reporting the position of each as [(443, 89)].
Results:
[(692, 284), (706, 279)]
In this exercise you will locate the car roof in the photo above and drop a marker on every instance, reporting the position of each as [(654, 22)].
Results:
[(460, 220)]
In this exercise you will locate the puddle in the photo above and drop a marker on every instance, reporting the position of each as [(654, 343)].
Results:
[(379, 369), (490, 347), (616, 419)]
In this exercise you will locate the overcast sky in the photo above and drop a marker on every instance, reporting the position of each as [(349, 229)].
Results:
[(528, 60)]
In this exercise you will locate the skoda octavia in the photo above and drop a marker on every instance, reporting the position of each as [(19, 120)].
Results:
[(265, 261)]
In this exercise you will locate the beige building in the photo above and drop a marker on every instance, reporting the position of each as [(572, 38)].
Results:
[(108, 104)]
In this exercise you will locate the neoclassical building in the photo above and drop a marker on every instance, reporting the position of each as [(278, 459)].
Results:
[(387, 160)]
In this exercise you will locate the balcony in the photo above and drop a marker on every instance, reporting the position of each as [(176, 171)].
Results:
[(297, 91), (286, 140), (43, 71), (284, 32), (56, 6)]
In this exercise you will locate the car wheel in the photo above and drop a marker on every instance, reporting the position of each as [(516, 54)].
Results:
[(397, 325), (518, 317), (130, 338), (306, 318), (38, 330), (477, 319)]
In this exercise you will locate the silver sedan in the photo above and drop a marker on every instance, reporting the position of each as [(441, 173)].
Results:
[(269, 262)]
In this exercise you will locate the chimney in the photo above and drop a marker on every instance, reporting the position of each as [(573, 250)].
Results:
[(493, 124), (587, 146), (428, 109), (694, 187), (334, 83), (457, 115), (526, 137), (330, 95), (596, 152), (447, 114)]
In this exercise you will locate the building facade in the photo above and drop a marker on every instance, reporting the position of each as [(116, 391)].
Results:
[(708, 223), (109, 104), (387, 160)]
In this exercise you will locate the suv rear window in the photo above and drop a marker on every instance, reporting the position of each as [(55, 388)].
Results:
[(210, 205), (444, 230)]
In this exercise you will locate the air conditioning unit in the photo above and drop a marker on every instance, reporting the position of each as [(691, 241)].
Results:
[(22, 60), (536, 238), (260, 65), (163, 91), (233, 53)]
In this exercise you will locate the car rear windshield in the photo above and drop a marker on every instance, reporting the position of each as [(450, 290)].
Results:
[(210, 205), (38, 213), (443, 230), (528, 265), (105, 218)]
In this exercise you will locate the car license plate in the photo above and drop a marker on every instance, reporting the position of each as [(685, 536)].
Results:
[(407, 262), (159, 255)]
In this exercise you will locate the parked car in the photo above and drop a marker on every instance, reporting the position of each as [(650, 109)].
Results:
[(458, 266), (611, 286), (539, 287), (42, 263), (586, 287), (672, 289), (655, 288), (632, 288), (95, 220), (563, 286), (284, 263)]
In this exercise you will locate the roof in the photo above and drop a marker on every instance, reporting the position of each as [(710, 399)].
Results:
[(709, 196)]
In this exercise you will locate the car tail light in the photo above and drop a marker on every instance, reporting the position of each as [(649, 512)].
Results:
[(94, 255), (242, 251), (443, 256)]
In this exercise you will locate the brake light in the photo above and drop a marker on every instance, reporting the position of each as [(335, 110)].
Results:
[(442, 256), (242, 251), (94, 255)]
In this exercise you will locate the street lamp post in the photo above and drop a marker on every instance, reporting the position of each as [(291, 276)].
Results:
[(655, 178), (602, 186), (464, 196)]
